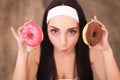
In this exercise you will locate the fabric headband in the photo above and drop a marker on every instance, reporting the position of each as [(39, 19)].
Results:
[(62, 10)]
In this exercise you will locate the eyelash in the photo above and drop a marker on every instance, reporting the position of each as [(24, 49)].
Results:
[(53, 31), (72, 32)]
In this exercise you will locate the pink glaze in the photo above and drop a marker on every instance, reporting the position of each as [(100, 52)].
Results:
[(31, 34)]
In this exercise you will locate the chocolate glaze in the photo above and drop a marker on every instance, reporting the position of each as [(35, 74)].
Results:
[(94, 33)]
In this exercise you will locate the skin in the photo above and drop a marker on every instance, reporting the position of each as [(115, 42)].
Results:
[(63, 33)]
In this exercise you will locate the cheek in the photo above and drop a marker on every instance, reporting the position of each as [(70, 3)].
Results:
[(73, 41), (52, 39)]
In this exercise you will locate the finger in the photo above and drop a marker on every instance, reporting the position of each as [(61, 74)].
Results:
[(19, 31), (95, 17), (15, 33), (92, 20), (101, 24), (90, 46), (105, 30)]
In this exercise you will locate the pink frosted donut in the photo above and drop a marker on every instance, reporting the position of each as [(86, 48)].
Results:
[(31, 34)]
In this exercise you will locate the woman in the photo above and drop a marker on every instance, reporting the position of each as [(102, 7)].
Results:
[(63, 54)]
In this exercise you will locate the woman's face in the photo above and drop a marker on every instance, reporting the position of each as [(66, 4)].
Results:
[(63, 32)]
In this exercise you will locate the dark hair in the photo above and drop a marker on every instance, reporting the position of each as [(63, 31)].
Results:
[(47, 68)]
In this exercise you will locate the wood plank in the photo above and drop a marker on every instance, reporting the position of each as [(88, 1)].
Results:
[(16, 12)]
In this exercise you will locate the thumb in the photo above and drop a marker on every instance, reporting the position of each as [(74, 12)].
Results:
[(14, 33)]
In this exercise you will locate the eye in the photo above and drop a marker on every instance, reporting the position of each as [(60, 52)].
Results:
[(72, 32), (53, 31)]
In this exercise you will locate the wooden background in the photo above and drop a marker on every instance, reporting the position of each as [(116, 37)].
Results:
[(16, 12)]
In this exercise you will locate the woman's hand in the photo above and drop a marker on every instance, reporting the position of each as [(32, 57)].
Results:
[(111, 72), (21, 45), (103, 44)]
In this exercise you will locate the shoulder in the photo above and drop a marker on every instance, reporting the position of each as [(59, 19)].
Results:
[(33, 62)]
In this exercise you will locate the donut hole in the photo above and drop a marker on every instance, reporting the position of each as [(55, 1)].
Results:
[(94, 34), (31, 35)]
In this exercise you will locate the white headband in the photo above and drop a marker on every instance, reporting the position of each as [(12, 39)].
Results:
[(62, 10)]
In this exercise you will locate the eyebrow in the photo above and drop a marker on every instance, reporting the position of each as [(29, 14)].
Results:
[(73, 28), (67, 29), (54, 27)]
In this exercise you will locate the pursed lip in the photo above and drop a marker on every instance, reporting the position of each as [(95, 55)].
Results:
[(64, 51)]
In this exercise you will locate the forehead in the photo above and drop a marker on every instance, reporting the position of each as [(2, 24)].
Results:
[(63, 21)]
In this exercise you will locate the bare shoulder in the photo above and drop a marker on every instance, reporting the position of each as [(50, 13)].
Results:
[(33, 62), (97, 64)]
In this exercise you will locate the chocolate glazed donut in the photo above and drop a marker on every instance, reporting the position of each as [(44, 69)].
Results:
[(92, 33)]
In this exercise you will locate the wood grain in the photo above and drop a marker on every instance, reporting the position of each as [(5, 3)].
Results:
[(16, 12)]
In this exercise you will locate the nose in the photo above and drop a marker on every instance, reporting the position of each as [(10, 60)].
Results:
[(63, 40)]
